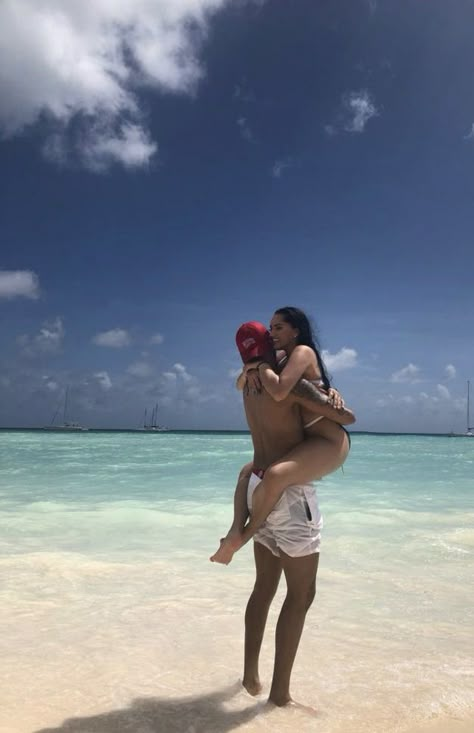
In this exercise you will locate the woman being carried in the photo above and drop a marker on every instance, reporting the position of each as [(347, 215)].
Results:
[(326, 443)]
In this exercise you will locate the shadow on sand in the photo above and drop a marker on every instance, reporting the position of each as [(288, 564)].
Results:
[(201, 714)]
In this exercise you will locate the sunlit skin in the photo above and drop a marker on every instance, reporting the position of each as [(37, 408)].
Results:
[(324, 449), (283, 334), (281, 449)]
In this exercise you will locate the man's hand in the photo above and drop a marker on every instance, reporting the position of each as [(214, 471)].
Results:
[(335, 399)]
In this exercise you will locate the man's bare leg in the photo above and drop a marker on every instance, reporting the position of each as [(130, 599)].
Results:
[(300, 574), (268, 572)]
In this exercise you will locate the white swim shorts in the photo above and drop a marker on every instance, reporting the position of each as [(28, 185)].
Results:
[(294, 525)]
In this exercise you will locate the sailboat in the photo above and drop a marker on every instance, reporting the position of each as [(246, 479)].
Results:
[(153, 426), (67, 425), (469, 429)]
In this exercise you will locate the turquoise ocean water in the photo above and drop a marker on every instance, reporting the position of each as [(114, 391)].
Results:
[(112, 619)]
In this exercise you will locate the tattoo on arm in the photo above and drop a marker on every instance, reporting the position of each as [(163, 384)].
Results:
[(308, 391)]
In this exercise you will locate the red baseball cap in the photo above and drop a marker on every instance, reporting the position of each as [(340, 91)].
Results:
[(253, 340)]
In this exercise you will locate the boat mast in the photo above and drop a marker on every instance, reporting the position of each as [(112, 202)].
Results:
[(65, 405), (468, 418), (144, 420)]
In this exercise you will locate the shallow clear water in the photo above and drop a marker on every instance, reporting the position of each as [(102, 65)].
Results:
[(112, 615)]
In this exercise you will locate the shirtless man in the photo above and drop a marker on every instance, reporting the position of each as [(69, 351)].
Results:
[(289, 539)]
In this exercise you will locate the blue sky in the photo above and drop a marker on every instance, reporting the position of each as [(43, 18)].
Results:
[(172, 169)]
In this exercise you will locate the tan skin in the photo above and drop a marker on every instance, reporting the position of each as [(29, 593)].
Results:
[(276, 429), (323, 450)]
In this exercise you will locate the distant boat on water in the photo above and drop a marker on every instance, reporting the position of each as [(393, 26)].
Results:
[(152, 426), (66, 425), (469, 429)]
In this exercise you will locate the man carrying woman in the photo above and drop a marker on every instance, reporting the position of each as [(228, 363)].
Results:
[(286, 539)]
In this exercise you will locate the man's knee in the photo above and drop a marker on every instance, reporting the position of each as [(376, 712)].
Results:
[(302, 597), (264, 590), (310, 596)]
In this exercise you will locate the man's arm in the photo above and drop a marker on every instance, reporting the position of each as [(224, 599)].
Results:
[(313, 399)]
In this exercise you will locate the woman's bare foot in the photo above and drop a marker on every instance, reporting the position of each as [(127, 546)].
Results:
[(228, 547), (252, 685)]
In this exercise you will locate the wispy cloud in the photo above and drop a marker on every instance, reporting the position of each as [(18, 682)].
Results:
[(126, 143), (470, 134), (407, 374), (157, 339), (450, 371), (140, 369), (86, 61), (443, 392), (19, 284), (280, 166), (343, 359), (48, 340), (116, 338), (360, 109), (103, 380), (245, 130)]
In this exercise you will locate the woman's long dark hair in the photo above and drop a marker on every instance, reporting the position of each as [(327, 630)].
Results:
[(298, 319)]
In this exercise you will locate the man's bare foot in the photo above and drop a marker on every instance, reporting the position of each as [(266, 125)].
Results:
[(286, 701), (252, 685), (228, 547)]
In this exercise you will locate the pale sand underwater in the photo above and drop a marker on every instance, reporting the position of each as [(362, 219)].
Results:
[(112, 619), (90, 646)]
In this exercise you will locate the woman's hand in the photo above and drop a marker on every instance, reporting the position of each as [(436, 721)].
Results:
[(335, 399)]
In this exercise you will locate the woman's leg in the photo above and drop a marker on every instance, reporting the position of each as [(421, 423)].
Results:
[(312, 459), (241, 511)]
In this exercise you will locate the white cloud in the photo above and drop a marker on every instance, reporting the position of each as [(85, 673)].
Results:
[(470, 134), (19, 284), (245, 130), (234, 373), (86, 60), (343, 359), (104, 380), (157, 338), (140, 369), (407, 374), (170, 377), (180, 388), (443, 392), (360, 109), (281, 165), (182, 372), (129, 145), (117, 338), (50, 384), (48, 340), (450, 371)]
